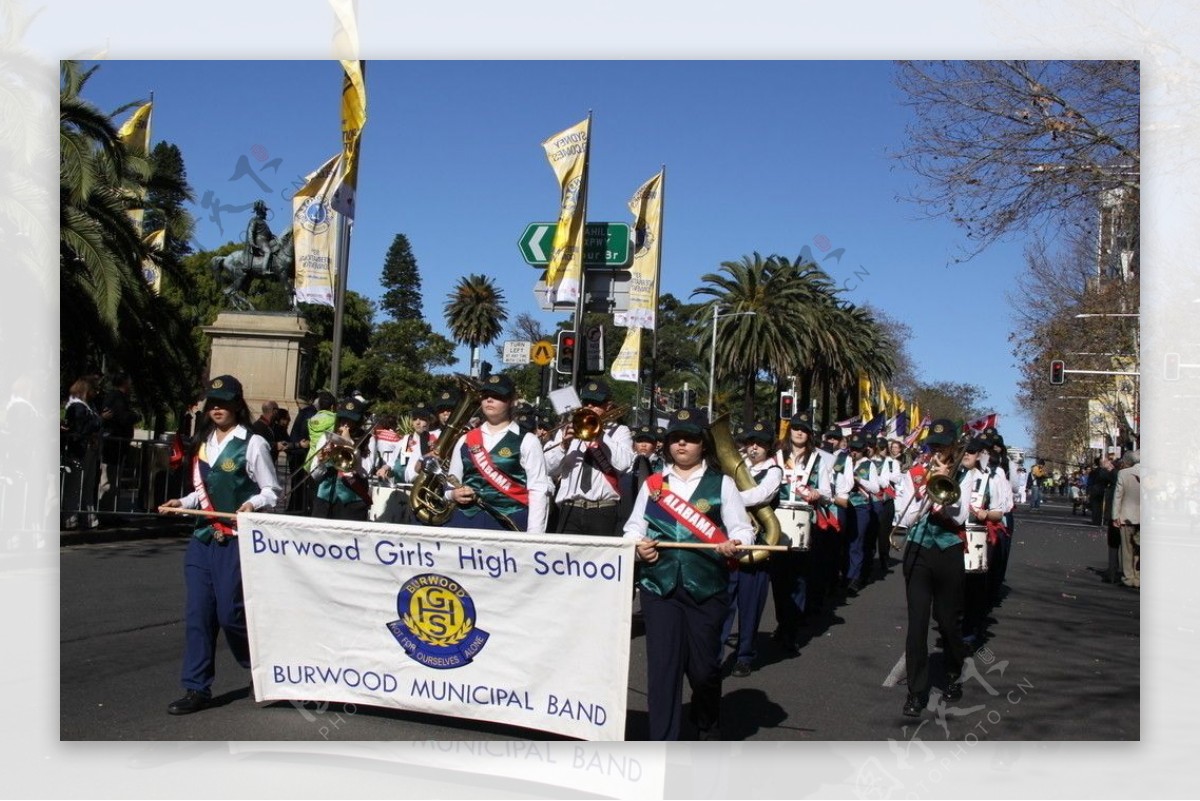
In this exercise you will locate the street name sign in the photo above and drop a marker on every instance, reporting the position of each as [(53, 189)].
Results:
[(605, 244)]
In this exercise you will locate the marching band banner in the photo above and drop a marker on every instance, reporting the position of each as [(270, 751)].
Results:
[(568, 155), (313, 235), (473, 624)]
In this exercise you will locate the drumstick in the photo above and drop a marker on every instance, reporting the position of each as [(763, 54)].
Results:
[(179, 510), (713, 545)]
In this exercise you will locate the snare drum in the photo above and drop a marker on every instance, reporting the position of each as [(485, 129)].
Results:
[(975, 558), (795, 521)]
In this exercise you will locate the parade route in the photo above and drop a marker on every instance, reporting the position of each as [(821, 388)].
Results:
[(1061, 661)]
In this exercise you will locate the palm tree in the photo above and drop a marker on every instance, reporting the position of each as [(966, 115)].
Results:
[(779, 337), (475, 313), (108, 310)]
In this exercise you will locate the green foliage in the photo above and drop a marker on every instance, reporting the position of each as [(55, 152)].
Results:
[(401, 282)]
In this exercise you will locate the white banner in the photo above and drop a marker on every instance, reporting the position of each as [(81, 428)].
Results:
[(472, 624)]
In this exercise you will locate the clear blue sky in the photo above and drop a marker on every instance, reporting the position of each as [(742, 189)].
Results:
[(760, 156)]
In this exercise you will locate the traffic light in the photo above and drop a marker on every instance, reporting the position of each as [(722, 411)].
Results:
[(787, 405), (1058, 371), (1170, 366), (689, 398), (565, 353)]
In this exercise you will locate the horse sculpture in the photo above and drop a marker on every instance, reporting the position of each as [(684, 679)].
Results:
[(235, 271)]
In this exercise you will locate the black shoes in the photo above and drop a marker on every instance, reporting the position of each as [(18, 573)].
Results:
[(953, 691), (193, 701), (853, 588), (741, 670), (912, 707)]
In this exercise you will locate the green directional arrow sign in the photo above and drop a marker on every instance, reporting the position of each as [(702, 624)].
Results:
[(605, 244)]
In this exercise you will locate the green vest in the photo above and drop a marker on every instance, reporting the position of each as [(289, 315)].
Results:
[(814, 475), (227, 482), (333, 488), (506, 456), (931, 535), (857, 496), (703, 573)]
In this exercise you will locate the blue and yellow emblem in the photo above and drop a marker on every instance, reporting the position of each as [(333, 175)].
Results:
[(437, 622)]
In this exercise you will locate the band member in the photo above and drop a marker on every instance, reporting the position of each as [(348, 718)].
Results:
[(889, 471), (934, 570), (800, 581), (500, 470), (646, 461), (589, 472), (342, 489), (998, 467), (991, 499), (382, 445), (232, 471), (856, 501), (749, 583), (411, 448), (443, 406), (685, 594)]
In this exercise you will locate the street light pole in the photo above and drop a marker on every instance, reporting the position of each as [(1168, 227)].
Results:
[(712, 356)]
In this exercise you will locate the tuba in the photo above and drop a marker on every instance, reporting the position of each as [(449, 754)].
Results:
[(427, 498), (732, 465)]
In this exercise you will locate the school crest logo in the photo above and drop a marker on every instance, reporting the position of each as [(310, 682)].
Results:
[(437, 622), (227, 465)]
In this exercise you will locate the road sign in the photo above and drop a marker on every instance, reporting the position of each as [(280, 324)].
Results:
[(517, 351), (542, 352), (605, 244), (604, 291)]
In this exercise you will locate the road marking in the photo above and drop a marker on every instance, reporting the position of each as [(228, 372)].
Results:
[(899, 672)]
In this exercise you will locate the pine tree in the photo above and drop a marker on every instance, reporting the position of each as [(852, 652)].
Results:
[(401, 281)]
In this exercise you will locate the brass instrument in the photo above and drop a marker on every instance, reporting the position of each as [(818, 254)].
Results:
[(342, 453), (587, 423), (731, 463), (428, 497)]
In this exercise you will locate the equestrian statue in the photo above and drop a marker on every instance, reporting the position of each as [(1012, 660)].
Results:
[(264, 256)]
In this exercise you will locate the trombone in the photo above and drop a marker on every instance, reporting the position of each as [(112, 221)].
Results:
[(587, 424), (940, 488)]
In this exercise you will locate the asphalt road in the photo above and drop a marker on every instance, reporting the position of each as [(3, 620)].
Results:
[(1061, 661)]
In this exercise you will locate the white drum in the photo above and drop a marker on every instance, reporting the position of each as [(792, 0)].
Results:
[(975, 558), (795, 521), (389, 504)]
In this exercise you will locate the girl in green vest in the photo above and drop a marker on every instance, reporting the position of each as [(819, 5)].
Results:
[(233, 470), (685, 593)]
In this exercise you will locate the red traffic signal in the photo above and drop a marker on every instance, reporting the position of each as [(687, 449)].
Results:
[(1058, 371), (565, 353), (787, 405)]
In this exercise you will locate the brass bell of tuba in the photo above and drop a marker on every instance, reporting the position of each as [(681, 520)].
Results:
[(731, 463), (427, 498)]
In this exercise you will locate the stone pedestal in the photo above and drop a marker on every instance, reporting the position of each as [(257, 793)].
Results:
[(269, 352)]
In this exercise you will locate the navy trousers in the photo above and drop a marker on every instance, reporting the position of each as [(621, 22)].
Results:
[(683, 635), (212, 573), (747, 598)]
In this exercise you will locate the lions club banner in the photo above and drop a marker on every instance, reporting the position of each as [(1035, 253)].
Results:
[(473, 624)]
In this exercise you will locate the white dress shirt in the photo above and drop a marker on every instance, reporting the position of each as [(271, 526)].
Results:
[(260, 467)]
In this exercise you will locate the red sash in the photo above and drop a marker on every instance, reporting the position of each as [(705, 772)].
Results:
[(205, 501), (483, 463), (610, 475), (699, 524)]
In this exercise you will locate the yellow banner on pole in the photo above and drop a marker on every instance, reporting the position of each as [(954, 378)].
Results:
[(135, 136), (568, 155), (629, 359), (313, 226), (150, 270), (354, 118), (647, 207)]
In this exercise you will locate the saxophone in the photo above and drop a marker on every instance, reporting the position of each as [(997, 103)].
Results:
[(428, 494), (731, 463)]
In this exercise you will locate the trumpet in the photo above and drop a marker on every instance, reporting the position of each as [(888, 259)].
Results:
[(587, 424)]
